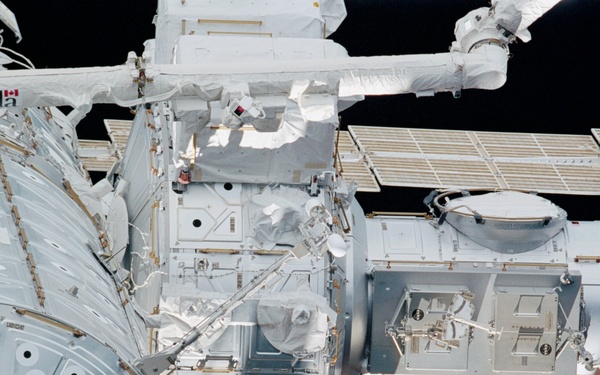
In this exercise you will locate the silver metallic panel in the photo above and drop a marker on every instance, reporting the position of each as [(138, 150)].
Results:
[(527, 318)]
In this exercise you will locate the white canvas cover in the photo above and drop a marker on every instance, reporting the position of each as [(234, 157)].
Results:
[(180, 313), (8, 18), (299, 149), (295, 323), (522, 13), (294, 19), (275, 215)]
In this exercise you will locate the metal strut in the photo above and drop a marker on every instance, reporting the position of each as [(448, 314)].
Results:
[(158, 362)]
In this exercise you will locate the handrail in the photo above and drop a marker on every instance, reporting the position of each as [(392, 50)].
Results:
[(238, 22), (270, 35)]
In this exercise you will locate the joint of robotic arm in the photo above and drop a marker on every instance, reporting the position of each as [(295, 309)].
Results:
[(481, 27)]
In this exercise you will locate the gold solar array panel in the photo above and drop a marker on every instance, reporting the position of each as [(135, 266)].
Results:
[(96, 156), (118, 131), (548, 163), (99, 156)]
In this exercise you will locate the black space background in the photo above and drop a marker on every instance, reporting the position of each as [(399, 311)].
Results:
[(552, 81)]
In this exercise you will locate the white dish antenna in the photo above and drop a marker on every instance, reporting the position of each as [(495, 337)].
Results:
[(337, 246)]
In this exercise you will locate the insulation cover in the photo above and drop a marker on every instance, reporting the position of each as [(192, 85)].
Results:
[(295, 323)]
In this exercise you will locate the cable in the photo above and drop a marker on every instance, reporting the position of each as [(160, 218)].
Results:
[(136, 286), (30, 64), (20, 63)]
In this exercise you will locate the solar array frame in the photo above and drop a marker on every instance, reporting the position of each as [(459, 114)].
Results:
[(353, 166)]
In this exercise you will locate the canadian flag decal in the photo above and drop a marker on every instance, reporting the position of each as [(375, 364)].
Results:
[(10, 98)]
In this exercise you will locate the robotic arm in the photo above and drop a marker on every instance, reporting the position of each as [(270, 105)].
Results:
[(478, 59)]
